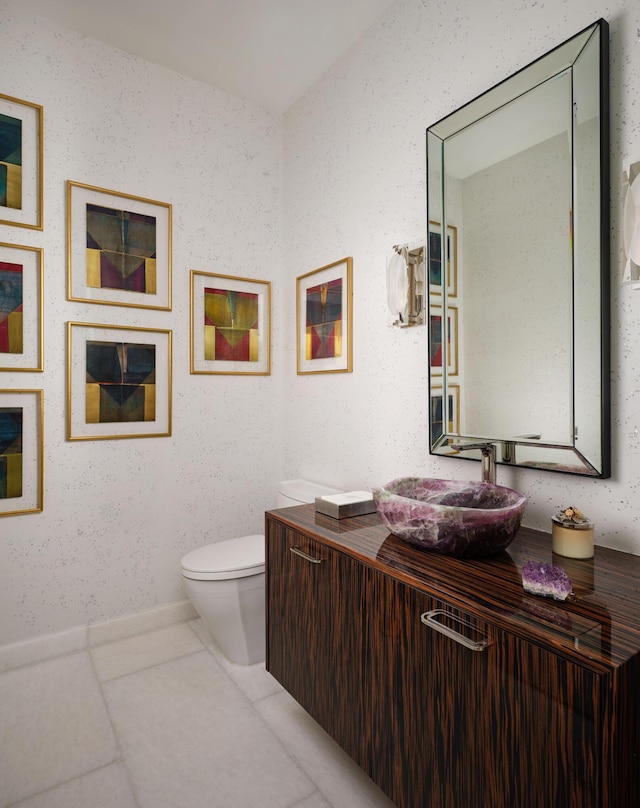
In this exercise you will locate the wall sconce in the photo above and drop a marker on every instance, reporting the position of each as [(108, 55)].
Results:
[(405, 285)]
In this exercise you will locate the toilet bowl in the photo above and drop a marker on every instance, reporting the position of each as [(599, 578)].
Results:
[(225, 582)]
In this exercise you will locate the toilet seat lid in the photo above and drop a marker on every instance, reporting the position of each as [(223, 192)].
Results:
[(233, 558)]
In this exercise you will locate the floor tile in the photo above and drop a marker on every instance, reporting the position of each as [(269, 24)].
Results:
[(253, 680), (144, 650), (186, 729), (105, 788), (53, 726), (337, 777), (314, 801)]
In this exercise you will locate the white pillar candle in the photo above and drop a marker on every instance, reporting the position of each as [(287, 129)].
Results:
[(573, 542)]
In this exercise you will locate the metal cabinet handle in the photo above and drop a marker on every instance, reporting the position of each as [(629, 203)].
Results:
[(431, 619), (304, 555)]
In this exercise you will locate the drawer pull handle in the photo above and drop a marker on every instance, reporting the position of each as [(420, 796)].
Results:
[(431, 619), (306, 557)]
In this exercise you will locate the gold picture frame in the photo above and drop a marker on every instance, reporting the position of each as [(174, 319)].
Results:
[(324, 319), (434, 266), (441, 425), (21, 163), (21, 452), (441, 338), (21, 308), (118, 382), (118, 248), (230, 325)]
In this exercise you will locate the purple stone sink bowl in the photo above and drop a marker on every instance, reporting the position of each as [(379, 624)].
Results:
[(452, 517)]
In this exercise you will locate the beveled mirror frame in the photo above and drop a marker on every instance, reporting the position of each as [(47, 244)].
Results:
[(567, 456)]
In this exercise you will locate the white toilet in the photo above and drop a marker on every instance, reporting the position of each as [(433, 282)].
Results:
[(299, 492), (225, 582)]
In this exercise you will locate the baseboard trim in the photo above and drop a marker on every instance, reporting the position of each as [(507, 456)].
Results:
[(48, 646)]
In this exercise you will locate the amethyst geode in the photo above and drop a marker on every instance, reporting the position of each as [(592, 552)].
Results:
[(462, 519), (548, 580)]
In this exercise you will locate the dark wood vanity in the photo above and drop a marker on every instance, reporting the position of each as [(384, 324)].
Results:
[(447, 683)]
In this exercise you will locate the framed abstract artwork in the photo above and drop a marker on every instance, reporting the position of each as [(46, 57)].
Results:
[(439, 337), (230, 325), (324, 315), (21, 308), (118, 248), (445, 421), (21, 451), (435, 259), (21, 163), (118, 382)]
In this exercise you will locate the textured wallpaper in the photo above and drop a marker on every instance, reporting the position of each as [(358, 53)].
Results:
[(355, 184), (119, 514), (341, 174)]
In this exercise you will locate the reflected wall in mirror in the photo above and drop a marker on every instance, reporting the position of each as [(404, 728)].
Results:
[(521, 176)]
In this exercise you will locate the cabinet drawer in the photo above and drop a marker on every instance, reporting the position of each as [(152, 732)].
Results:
[(493, 721)]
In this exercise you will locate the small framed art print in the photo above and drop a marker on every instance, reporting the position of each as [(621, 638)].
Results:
[(324, 314), (443, 342), (445, 420), (21, 451), (21, 163), (118, 248), (21, 308), (437, 278), (230, 325), (118, 382)]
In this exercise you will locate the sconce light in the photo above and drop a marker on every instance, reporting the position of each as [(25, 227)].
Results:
[(405, 285)]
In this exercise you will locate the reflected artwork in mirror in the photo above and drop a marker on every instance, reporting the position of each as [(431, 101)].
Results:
[(521, 176)]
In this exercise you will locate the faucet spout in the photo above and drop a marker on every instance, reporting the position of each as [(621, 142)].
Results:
[(488, 467)]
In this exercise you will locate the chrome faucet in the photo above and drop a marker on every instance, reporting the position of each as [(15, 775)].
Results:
[(488, 458)]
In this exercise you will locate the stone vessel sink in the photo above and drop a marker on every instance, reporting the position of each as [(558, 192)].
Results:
[(452, 517)]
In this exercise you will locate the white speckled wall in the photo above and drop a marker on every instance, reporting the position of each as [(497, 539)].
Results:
[(119, 514), (354, 185)]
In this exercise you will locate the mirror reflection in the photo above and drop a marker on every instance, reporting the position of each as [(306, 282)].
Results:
[(518, 338)]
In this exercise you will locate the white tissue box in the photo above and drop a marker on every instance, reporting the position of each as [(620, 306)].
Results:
[(341, 506)]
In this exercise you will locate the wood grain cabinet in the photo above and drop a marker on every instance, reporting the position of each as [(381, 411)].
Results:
[(443, 680)]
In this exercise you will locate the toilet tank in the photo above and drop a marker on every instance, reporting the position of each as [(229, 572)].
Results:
[(299, 492)]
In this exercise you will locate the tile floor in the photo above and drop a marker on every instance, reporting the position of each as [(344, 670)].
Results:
[(163, 720)]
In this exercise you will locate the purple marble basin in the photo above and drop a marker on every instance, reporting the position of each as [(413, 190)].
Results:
[(453, 517)]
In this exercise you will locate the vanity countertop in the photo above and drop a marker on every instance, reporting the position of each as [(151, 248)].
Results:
[(601, 621)]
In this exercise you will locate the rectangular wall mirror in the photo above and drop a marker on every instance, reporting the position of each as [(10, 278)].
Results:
[(519, 345)]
